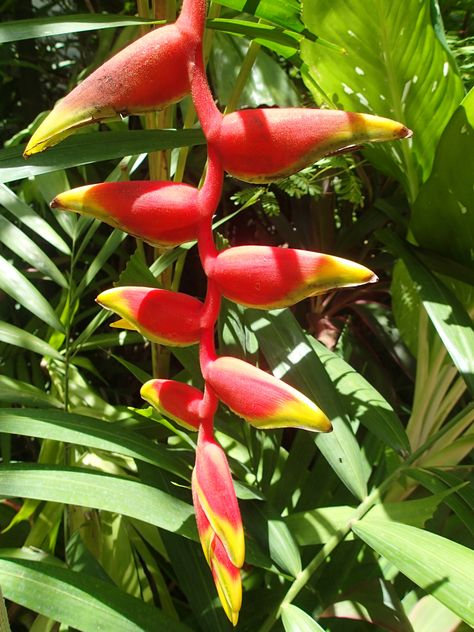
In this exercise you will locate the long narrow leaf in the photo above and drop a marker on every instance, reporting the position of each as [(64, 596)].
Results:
[(441, 567), (19, 288), (92, 433), (450, 319), (44, 27), (29, 251), (88, 488), (288, 352), (20, 338), (79, 600), (27, 216), (83, 149)]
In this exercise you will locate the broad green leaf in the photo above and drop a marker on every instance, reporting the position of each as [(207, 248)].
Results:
[(318, 525), (429, 615), (84, 148), (18, 392), (79, 600), (46, 27), (263, 33), (364, 402), (286, 13), (297, 620), (395, 66), (451, 321), (20, 338), (439, 566), (292, 358), (20, 289), (443, 213), (19, 243), (88, 488), (92, 433), (27, 216)]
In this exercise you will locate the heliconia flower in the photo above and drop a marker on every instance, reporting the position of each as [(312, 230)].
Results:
[(267, 277), (161, 213), (174, 399), (149, 74), (263, 145), (162, 316), (261, 399), (219, 522)]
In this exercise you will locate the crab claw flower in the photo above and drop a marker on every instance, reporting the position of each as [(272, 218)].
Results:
[(261, 399), (263, 145), (219, 522), (149, 74), (174, 399), (161, 213), (279, 277), (162, 316)]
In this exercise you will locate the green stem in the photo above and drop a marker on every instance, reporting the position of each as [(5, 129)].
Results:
[(242, 77)]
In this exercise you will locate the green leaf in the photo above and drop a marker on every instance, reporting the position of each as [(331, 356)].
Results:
[(441, 567), (92, 433), (20, 289), (318, 525), (451, 321), (45, 27), (443, 213), (112, 242), (20, 338), (88, 488), (79, 600), (263, 33), (395, 66), (18, 392), (29, 251), (286, 13), (88, 147), (296, 620), (291, 357), (364, 402), (27, 216)]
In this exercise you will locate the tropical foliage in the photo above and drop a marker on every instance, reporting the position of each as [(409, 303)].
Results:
[(368, 527)]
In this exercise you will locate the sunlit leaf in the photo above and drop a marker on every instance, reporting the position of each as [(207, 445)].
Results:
[(297, 620), (441, 567), (78, 600)]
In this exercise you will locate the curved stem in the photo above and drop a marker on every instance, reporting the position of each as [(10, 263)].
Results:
[(207, 111), (192, 17)]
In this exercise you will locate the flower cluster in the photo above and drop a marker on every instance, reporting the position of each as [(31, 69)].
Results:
[(256, 145)]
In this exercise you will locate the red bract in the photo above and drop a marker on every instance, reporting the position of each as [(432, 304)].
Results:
[(162, 316), (219, 522), (146, 75), (279, 277), (267, 144), (262, 399), (161, 213), (174, 399), (263, 145)]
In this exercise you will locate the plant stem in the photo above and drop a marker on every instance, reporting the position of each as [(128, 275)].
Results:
[(243, 76)]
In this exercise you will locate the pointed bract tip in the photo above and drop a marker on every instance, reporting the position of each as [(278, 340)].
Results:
[(373, 279), (405, 132), (54, 203)]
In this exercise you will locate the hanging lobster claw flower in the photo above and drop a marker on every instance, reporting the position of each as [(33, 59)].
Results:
[(261, 399), (162, 316), (174, 399), (161, 213), (279, 277), (149, 74), (219, 522), (263, 145)]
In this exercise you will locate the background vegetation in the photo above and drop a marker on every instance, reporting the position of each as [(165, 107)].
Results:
[(368, 528)]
